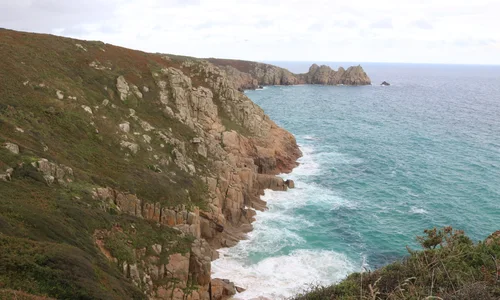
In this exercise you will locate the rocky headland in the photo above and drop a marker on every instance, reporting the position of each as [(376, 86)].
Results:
[(122, 171), (251, 75)]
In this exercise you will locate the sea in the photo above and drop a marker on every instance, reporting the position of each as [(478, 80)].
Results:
[(380, 164)]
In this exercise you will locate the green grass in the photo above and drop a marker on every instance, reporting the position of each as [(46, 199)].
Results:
[(47, 245), (450, 266)]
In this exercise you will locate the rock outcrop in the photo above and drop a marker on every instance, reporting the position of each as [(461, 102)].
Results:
[(326, 76), (252, 75), (242, 166), (165, 174)]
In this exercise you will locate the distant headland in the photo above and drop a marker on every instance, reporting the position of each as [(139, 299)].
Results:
[(251, 75)]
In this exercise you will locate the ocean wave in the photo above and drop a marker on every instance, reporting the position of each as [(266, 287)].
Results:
[(276, 260), (416, 210), (283, 276)]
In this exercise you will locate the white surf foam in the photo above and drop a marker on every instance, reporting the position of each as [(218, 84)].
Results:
[(283, 276), (417, 210), (275, 261)]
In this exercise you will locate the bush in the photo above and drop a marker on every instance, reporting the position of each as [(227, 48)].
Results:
[(450, 266)]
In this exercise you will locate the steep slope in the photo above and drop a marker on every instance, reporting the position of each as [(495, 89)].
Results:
[(121, 171), (251, 75)]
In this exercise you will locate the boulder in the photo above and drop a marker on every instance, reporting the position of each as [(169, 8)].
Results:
[(87, 109), (12, 147), (133, 147), (53, 172), (222, 289), (290, 184), (60, 95), (385, 83), (125, 127), (122, 87)]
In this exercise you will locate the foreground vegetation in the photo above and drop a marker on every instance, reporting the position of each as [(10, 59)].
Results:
[(450, 266), (47, 231)]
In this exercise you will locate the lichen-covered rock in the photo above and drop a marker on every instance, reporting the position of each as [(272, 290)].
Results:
[(12, 147), (122, 87), (125, 127), (133, 147), (60, 95), (87, 109), (53, 172)]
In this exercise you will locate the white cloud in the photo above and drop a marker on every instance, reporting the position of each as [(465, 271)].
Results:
[(445, 31)]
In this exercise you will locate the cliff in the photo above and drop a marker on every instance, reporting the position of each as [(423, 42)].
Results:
[(121, 172), (251, 75)]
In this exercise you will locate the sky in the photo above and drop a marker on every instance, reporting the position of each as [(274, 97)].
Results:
[(418, 31)]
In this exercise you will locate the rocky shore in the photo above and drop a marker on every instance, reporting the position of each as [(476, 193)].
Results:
[(162, 156), (252, 75)]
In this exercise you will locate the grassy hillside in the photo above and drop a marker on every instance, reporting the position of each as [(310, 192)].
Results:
[(450, 266), (47, 244)]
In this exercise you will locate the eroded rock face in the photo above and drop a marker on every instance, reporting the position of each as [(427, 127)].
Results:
[(206, 99), (252, 75), (327, 76), (53, 172), (222, 289)]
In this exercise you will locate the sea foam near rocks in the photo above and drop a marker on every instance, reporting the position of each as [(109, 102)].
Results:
[(277, 261)]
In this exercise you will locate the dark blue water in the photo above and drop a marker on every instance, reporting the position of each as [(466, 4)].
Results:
[(381, 164)]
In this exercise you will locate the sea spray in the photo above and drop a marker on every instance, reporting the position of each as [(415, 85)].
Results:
[(380, 165), (279, 258)]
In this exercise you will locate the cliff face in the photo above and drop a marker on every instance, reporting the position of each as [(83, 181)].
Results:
[(121, 171), (325, 75), (251, 75)]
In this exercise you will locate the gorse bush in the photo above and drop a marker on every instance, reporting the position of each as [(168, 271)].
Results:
[(450, 266)]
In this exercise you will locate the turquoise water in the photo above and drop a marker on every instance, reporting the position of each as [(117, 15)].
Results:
[(380, 165)]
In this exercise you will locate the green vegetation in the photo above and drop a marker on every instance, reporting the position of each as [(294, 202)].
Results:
[(450, 266), (48, 233)]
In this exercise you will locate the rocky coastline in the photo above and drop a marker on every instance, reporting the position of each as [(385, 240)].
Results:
[(252, 75), (171, 148)]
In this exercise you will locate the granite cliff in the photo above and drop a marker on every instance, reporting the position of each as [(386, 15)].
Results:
[(251, 75), (121, 172)]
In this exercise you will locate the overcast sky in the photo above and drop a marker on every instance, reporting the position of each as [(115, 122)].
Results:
[(434, 31)]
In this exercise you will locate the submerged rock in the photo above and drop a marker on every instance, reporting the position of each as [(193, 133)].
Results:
[(385, 83)]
